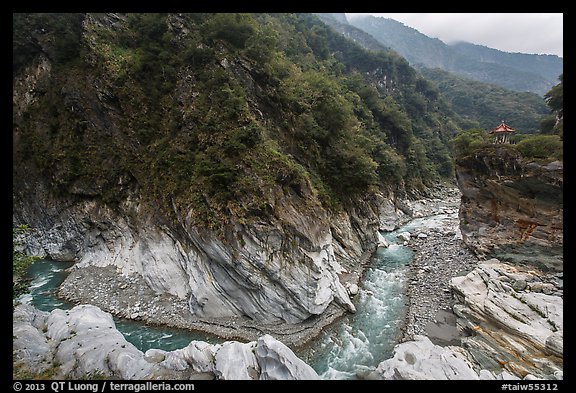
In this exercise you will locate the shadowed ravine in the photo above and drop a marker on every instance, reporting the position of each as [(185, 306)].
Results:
[(348, 349)]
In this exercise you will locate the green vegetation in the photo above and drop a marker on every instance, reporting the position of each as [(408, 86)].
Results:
[(468, 142), (542, 148), (538, 148), (208, 115), (555, 99), (483, 105), (20, 261), (57, 35)]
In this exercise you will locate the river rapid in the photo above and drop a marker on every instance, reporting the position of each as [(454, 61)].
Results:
[(349, 349)]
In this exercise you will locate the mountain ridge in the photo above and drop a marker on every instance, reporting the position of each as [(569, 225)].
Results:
[(515, 71), (237, 161)]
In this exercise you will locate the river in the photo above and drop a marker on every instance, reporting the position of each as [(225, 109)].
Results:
[(349, 349), (47, 276)]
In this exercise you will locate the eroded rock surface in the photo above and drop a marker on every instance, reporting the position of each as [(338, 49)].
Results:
[(512, 209), (84, 342), (511, 325)]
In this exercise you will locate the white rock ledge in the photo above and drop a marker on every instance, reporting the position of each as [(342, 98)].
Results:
[(84, 342)]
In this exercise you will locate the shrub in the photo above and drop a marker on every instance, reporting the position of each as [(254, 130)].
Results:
[(541, 147), (467, 142)]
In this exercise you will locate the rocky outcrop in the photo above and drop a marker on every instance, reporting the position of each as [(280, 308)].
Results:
[(420, 359), (84, 342), (508, 333), (489, 319), (514, 316), (285, 269), (512, 209)]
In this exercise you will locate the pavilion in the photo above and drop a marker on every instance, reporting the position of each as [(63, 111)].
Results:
[(502, 133)]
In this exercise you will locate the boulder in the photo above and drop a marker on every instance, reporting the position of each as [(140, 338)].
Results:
[(29, 345), (382, 242), (353, 289), (421, 359), (404, 236), (236, 361), (278, 362), (84, 342)]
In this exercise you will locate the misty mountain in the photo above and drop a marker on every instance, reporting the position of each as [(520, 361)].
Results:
[(514, 71), (478, 104)]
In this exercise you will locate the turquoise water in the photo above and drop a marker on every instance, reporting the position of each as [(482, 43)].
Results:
[(348, 350), (362, 340), (47, 276)]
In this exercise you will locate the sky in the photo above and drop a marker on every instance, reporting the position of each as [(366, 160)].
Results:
[(537, 33)]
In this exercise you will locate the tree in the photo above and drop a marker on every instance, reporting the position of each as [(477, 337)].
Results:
[(469, 141), (235, 29), (545, 148), (555, 100)]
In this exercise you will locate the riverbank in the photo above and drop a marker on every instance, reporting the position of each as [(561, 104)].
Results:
[(489, 319), (129, 297), (439, 255)]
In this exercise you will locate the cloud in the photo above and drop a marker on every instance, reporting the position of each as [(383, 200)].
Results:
[(540, 33)]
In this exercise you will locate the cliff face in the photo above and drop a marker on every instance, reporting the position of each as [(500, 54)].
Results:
[(285, 267), (512, 209), (217, 175)]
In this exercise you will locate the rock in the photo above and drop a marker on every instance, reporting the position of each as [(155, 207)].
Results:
[(278, 362), (531, 377), (29, 344), (353, 289), (421, 359), (84, 342), (200, 356), (546, 288), (236, 361), (155, 355), (254, 276), (404, 236), (517, 205), (555, 343), (519, 285), (512, 326), (382, 242), (525, 314), (89, 344)]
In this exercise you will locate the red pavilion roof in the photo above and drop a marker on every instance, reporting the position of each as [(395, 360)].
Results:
[(502, 128)]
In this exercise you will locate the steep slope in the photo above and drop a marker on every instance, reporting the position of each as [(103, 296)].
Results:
[(242, 162), (548, 66), (512, 208), (489, 104), (417, 48), (475, 104), (514, 71)]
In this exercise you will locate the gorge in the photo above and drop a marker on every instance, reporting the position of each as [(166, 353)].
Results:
[(248, 175)]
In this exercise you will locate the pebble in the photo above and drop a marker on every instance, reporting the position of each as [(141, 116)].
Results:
[(438, 255), (437, 258)]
